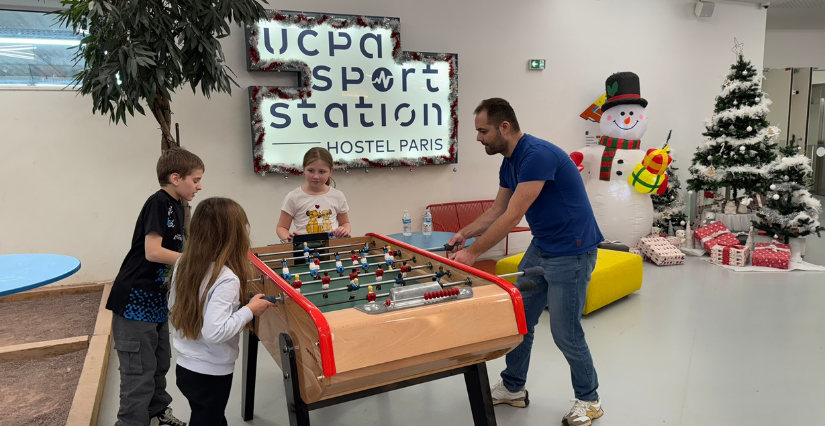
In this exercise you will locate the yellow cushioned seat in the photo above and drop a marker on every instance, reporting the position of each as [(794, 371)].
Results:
[(617, 274)]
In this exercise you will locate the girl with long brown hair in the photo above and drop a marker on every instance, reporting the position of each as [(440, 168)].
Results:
[(210, 284), (316, 206)]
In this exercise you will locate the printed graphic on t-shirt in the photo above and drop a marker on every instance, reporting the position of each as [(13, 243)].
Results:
[(145, 306), (313, 227)]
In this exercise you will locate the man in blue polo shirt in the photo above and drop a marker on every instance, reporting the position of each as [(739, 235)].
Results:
[(539, 180)]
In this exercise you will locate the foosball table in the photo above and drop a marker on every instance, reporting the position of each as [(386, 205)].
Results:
[(360, 316)]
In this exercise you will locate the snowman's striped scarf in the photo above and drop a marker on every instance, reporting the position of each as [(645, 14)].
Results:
[(610, 147)]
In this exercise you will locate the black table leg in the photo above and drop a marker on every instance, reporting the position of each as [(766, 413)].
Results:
[(481, 398), (250, 365), (298, 410)]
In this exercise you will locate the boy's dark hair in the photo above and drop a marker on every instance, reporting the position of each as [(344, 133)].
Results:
[(177, 160), (498, 111)]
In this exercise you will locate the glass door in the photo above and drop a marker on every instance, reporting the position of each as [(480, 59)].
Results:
[(815, 148)]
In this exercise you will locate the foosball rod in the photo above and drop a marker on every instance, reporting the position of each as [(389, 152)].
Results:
[(447, 293), (413, 260), (341, 302), (445, 247), (376, 283), (524, 285), (319, 255), (317, 248), (368, 274), (323, 261)]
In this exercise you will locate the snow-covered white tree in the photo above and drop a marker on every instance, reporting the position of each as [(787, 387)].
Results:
[(790, 210), (740, 141)]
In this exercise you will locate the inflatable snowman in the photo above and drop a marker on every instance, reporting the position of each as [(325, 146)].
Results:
[(623, 213)]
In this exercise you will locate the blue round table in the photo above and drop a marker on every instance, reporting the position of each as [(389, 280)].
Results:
[(21, 272), (433, 242)]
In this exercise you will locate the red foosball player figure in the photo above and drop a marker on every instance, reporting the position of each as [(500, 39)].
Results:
[(354, 274), (354, 258), (297, 283), (379, 276), (405, 269), (371, 296), (325, 284)]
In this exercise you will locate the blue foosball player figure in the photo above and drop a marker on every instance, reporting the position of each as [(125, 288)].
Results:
[(439, 273), (399, 281), (353, 288), (285, 271), (339, 267)]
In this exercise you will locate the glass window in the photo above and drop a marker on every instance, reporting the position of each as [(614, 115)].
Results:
[(35, 51)]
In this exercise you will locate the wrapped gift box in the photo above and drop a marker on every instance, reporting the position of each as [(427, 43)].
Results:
[(675, 241), (714, 234), (661, 252), (730, 255), (773, 255), (637, 251)]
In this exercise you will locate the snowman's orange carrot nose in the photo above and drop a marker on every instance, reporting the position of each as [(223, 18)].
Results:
[(627, 120)]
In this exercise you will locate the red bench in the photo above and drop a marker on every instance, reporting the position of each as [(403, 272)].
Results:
[(451, 217)]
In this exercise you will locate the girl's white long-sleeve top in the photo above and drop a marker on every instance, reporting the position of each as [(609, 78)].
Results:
[(215, 352)]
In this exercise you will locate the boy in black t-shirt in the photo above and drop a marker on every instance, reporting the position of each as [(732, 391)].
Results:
[(138, 297)]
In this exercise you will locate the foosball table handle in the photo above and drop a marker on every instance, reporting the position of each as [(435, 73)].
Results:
[(269, 298)]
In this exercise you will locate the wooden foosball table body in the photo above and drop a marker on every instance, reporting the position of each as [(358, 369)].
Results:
[(340, 349)]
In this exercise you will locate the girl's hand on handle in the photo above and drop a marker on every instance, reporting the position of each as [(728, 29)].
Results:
[(258, 305), (340, 232)]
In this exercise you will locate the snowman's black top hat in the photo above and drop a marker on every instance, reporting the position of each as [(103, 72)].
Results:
[(622, 89)]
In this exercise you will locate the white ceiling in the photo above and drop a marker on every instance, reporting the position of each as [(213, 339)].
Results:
[(801, 4), (794, 14)]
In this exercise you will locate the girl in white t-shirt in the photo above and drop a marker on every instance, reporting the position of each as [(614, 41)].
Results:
[(316, 206)]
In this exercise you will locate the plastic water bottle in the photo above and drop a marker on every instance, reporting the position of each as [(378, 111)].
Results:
[(407, 221), (427, 226)]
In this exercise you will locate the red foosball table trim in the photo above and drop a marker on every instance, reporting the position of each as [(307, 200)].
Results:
[(324, 333)]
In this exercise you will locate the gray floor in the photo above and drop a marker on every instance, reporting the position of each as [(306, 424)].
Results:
[(697, 345)]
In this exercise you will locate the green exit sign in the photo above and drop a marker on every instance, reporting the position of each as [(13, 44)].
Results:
[(535, 64)]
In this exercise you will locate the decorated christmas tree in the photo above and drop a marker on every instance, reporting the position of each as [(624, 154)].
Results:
[(790, 211), (740, 141), (669, 208)]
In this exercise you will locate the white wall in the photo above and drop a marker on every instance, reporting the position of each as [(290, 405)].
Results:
[(72, 183), (777, 84), (795, 49)]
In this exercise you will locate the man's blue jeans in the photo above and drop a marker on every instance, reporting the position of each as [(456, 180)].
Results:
[(563, 288)]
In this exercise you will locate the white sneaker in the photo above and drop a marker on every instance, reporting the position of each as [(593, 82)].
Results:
[(503, 396), (583, 412)]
